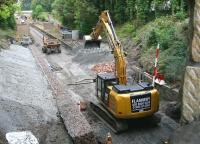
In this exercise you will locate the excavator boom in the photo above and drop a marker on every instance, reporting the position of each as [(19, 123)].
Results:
[(94, 40)]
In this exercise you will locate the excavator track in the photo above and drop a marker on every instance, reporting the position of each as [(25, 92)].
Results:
[(117, 126)]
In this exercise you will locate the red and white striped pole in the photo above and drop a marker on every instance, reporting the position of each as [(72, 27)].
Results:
[(155, 71)]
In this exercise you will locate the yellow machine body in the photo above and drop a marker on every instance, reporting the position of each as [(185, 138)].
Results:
[(120, 105), (126, 101)]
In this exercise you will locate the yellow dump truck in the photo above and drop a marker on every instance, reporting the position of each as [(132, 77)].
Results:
[(50, 45)]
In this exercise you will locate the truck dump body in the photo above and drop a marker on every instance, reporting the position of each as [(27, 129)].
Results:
[(50, 45)]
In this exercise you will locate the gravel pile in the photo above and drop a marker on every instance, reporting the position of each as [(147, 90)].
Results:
[(104, 67)]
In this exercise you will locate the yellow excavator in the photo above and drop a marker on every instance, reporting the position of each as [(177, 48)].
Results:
[(118, 101)]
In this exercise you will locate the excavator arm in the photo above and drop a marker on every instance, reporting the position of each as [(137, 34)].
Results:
[(105, 23)]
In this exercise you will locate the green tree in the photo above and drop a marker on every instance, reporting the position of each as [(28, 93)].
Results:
[(33, 4), (143, 9), (119, 11), (85, 16), (130, 9), (81, 14), (7, 9), (76, 14), (37, 11), (64, 10), (26, 4), (46, 4)]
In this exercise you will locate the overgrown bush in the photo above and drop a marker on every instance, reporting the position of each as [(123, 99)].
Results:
[(7, 9), (8, 23), (181, 15), (37, 11), (43, 16), (171, 34), (128, 29)]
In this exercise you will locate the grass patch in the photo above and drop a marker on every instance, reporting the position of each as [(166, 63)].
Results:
[(6, 34), (125, 30), (43, 16)]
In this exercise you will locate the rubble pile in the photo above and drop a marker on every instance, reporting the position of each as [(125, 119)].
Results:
[(104, 67)]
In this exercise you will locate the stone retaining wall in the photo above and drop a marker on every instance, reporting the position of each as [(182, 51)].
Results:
[(191, 86)]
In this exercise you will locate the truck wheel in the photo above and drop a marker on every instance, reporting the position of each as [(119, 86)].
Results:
[(44, 50), (48, 50), (59, 50)]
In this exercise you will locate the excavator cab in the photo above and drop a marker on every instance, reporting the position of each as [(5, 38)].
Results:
[(103, 81), (91, 43)]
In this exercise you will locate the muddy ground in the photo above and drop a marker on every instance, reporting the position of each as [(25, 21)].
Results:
[(74, 65)]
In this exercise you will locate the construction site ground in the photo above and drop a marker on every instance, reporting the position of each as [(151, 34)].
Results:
[(74, 65), (37, 94), (26, 99)]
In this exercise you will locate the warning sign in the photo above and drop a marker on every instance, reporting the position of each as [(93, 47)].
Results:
[(141, 102)]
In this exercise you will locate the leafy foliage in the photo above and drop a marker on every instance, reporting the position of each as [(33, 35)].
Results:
[(65, 11), (119, 11), (171, 33), (37, 11), (85, 16), (39, 6), (172, 37), (76, 13), (7, 9), (127, 29), (43, 16), (46, 4), (26, 4)]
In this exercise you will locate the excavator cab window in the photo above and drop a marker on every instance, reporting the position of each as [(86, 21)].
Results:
[(102, 83), (99, 87)]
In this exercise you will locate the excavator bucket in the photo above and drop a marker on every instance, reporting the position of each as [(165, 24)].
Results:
[(91, 43)]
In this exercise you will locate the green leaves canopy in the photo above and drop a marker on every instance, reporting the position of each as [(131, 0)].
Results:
[(81, 14), (64, 10), (76, 14), (37, 11), (7, 9)]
